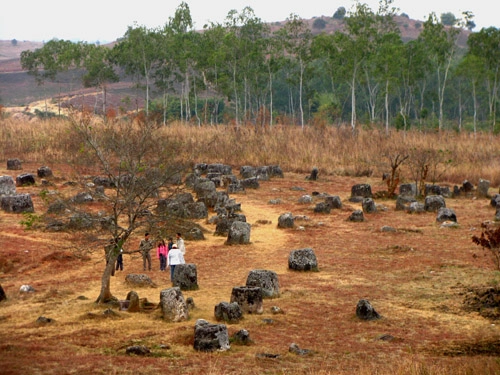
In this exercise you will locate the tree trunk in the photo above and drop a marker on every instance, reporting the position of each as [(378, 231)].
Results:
[(105, 295)]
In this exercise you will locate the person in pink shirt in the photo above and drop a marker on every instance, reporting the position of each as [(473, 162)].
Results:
[(161, 252)]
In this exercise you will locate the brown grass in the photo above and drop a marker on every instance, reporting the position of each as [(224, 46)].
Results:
[(415, 278)]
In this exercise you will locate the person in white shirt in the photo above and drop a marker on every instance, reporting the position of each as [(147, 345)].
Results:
[(174, 258), (180, 243)]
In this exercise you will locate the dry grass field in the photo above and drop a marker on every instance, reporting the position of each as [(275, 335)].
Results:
[(417, 278)]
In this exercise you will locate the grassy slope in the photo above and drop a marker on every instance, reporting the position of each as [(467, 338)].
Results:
[(416, 278)]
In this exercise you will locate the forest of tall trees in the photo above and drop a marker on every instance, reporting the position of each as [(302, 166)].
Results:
[(241, 72)]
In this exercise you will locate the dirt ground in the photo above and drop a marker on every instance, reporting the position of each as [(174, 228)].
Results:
[(417, 277)]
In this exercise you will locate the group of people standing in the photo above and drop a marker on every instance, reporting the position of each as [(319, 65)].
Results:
[(169, 254)]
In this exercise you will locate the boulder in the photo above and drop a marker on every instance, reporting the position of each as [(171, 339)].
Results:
[(333, 201), (239, 233), (25, 179), (433, 203), (408, 190), (173, 305), (356, 216), (14, 164), (17, 203), (266, 280), (403, 202), (241, 337), (361, 190), (322, 208), (7, 185), (139, 279), (26, 289), (365, 311), (495, 200), (249, 298), (206, 192), (133, 302), (305, 199), (140, 350), (210, 337), (314, 175), (286, 220), (247, 171), (303, 260), (446, 214), (432, 190), (482, 188), (250, 183), (186, 277), (44, 172), (83, 197), (228, 312), (416, 207), (467, 186), (369, 206)]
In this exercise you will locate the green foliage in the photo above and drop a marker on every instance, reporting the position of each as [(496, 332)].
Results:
[(339, 13), (30, 220), (448, 19), (319, 24), (13, 42)]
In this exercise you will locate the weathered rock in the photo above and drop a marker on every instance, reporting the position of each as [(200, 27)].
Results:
[(416, 207), (194, 234), (219, 168), (275, 171), (186, 277), (322, 208), (25, 179), (303, 260), (134, 303), (446, 214), (26, 289), (482, 188), (190, 303), (333, 201), (83, 197), (139, 279), (408, 190), (305, 199), (138, 350), (365, 311), (173, 305), (432, 190), (17, 203), (249, 298), (369, 206), (266, 280), (44, 320), (495, 200), (241, 337), (286, 220), (14, 164), (7, 185), (210, 337), (361, 190), (356, 216), (403, 202), (239, 233), (467, 186), (314, 175), (387, 228), (44, 172), (250, 183), (433, 203), (196, 210), (206, 192), (294, 348), (247, 171), (80, 221), (228, 312)]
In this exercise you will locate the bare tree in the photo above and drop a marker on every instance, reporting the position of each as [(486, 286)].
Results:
[(138, 165)]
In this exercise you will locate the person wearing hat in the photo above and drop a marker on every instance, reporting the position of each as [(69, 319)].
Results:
[(174, 258)]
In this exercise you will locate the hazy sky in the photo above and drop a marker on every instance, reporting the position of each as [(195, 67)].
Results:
[(107, 20)]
